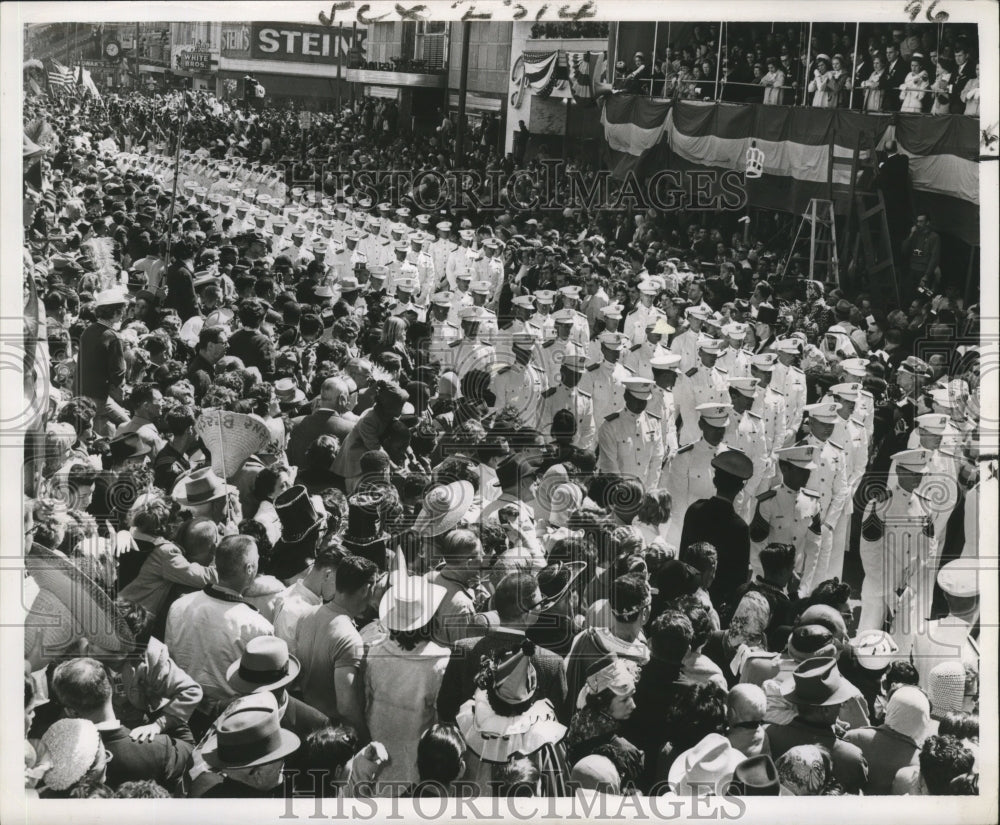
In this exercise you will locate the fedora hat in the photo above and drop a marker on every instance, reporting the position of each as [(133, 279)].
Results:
[(708, 765), (817, 682), (410, 602), (128, 445), (265, 665), (297, 513), (248, 734), (288, 392), (201, 487), (757, 776)]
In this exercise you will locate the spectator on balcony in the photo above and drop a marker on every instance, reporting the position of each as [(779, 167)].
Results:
[(874, 85), (841, 72), (824, 86), (914, 90), (792, 70), (895, 76), (708, 78), (941, 85), (637, 80), (961, 77), (773, 82), (970, 95)]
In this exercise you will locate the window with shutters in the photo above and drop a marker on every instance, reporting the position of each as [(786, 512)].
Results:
[(430, 43)]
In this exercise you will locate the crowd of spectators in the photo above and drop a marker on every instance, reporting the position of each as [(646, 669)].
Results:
[(920, 68)]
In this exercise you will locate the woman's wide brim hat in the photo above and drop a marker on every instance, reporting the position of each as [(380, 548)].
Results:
[(444, 508)]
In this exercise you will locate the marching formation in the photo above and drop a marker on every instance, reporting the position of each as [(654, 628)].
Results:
[(336, 494)]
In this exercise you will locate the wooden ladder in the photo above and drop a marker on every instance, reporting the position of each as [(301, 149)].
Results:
[(818, 228)]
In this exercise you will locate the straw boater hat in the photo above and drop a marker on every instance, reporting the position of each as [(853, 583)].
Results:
[(411, 601), (248, 734), (444, 508)]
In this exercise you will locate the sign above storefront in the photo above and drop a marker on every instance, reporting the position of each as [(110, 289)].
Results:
[(301, 43), (194, 61)]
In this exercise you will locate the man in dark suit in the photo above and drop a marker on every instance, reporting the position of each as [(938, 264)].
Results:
[(83, 688), (963, 74), (715, 520), (332, 416), (181, 294), (515, 600), (895, 73), (249, 344), (894, 181)]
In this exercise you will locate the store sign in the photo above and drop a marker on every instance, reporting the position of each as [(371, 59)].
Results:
[(302, 43), (235, 40), (195, 61)]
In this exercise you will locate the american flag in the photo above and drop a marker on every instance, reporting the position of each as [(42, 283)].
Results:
[(60, 77)]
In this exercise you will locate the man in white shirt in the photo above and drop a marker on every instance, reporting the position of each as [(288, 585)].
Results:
[(306, 595), (209, 629)]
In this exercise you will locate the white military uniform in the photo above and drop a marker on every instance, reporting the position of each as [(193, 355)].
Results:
[(851, 434), (829, 479), (897, 535), (690, 479), (662, 405), (603, 382), (442, 334), (685, 344), (745, 432), (635, 323), (770, 406), (578, 402), (466, 354), (699, 385), (521, 386), (637, 358), (786, 516), (631, 446), (792, 382), (735, 361), (554, 350)]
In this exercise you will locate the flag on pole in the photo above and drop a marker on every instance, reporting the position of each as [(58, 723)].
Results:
[(60, 77)]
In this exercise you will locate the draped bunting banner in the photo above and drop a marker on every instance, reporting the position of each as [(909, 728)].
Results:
[(540, 72), (648, 135), (586, 69)]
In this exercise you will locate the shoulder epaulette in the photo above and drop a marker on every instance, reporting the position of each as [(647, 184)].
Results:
[(767, 495), (585, 394), (795, 369), (754, 415), (635, 347), (549, 343), (866, 394), (654, 417), (456, 343), (858, 421), (776, 391), (593, 367), (812, 493), (453, 326), (722, 369), (503, 370), (611, 417), (549, 392), (686, 448), (627, 369), (691, 372), (835, 444)]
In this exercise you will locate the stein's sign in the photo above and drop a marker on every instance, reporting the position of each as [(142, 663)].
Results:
[(301, 43)]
